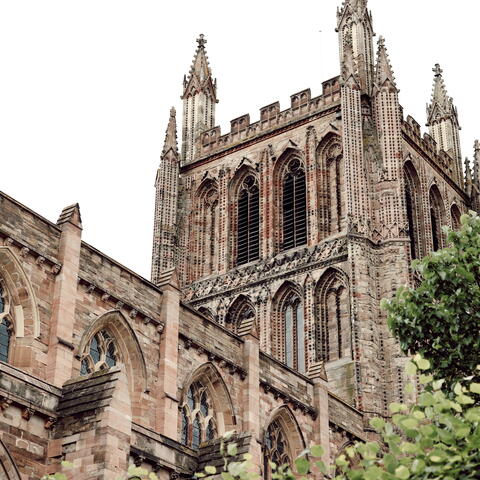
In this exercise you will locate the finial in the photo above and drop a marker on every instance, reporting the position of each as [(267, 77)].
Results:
[(381, 41), (476, 146), (437, 70), (201, 40), (173, 112)]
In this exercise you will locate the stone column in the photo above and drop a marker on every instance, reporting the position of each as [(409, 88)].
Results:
[(251, 393), (321, 433), (167, 409), (60, 351)]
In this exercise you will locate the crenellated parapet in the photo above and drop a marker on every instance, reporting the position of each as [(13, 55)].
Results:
[(271, 117)]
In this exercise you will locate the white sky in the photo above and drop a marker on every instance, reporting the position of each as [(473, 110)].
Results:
[(86, 87)]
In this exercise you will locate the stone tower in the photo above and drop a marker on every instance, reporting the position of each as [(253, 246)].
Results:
[(297, 225), (166, 200)]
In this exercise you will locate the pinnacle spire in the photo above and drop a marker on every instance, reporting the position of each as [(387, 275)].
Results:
[(468, 177), (476, 163), (441, 104), (200, 77), (171, 134), (384, 70)]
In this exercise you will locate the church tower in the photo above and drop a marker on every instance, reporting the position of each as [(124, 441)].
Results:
[(442, 120), (166, 198), (354, 26), (199, 99)]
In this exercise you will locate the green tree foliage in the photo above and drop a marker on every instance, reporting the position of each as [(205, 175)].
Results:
[(440, 319), (437, 438)]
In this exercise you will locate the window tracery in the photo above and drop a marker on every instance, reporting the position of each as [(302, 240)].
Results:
[(197, 417), (294, 205), (413, 207), (436, 217), (248, 221), (101, 354), (275, 449), (6, 325)]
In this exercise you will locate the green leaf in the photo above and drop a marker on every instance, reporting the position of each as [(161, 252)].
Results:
[(377, 423), (411, 368), (475, 387), (402, 472), (210, 470), (423, 364), (302, 465), (232, 449)]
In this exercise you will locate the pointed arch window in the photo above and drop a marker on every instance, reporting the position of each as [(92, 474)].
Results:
[(275, 449), (294, 205), (101, 354), (294, 333), (197, 417), (248, 221), (436, 217), (240, 316), (332, 322), (413, 210), (456, 216), (6, 325)]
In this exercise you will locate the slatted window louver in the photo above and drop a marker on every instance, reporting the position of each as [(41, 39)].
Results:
[(294, 207), (248, 223)]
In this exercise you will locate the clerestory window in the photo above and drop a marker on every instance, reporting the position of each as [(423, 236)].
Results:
[(6, 325), (101, 354)]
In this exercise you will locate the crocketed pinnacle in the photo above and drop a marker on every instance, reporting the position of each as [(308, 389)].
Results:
[(171, 135), (476, 163), (468, 177), (441, 104), (358, 6), (200, 76), (384, 69)]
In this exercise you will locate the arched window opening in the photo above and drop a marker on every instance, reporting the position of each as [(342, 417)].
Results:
[(436, 217), (248, 222), (332, 323), (294, 328), (197, 417), (240, 316), (336, 196), (275, 449), (101, 354), (456, 215), (6, 325), (413, 208), (294, 206)]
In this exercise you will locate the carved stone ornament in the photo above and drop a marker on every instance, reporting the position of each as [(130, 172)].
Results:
[(27, 413)]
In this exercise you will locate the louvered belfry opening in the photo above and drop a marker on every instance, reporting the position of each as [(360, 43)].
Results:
[(294, 206), (248, 224)]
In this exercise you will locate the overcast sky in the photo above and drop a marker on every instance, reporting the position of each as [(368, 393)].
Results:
[(86, 87)]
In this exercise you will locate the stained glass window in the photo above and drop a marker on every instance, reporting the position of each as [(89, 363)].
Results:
[(5, 326), (100, 355), (275, 449), (197, 417)]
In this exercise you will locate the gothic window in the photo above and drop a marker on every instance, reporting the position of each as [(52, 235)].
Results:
[(275, 449), (248, 222), (332, 323), (6, 325), (436, 217), (455, 214), (289, 330), (101, 354), (197, 417), (240, 316), (412, 203), (294, 206)]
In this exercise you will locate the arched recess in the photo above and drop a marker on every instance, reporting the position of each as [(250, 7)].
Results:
[(333, 326), (130, 353), (209, 378), (27, 319), (8, 469), (413, 204), (437, 217), (455, 216), (331, 192), (290, 199), (205, 228), (289, 339), (281, 427), (241, 315), (206, 312), (244, 213)]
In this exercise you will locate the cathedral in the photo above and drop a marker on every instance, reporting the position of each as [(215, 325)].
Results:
[(273, 246)]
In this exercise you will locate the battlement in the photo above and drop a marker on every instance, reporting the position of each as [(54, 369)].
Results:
[(271, 117), (427, 144)]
